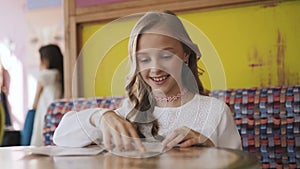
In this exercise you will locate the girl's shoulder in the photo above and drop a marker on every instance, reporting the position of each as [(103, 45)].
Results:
[(209, 100), (208, 104), (206, 98)]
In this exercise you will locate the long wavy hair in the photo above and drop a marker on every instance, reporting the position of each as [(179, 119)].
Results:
[(138, 91)]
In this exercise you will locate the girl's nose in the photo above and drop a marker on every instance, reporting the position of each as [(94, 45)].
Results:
[(155, 70), (156, 65)]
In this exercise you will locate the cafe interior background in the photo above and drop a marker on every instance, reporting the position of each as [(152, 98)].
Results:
[(256, 44)]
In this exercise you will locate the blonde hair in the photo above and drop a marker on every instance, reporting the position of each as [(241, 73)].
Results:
[(138, 91)]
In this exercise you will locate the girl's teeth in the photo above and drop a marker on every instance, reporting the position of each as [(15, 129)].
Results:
[(159, 78)]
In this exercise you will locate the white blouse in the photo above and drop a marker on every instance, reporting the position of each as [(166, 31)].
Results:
[(206, 115)]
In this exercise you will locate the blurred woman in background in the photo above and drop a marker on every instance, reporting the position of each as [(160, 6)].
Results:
[(50, 87)]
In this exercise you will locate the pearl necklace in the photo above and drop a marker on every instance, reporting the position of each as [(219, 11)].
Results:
[(171, 98)]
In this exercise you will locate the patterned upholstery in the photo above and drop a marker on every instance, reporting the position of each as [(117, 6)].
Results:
[(268, 120)]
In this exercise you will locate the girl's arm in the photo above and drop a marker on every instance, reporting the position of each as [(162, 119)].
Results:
[(76, 130), (221, 131), (228, 135)]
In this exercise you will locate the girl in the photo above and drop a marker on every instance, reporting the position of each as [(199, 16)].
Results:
[(50, 87), (166, 100)]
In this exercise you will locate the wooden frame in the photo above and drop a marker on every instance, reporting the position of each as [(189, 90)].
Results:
[(74, 17)]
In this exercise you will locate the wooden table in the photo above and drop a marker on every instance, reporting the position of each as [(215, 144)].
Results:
[(177, 158)]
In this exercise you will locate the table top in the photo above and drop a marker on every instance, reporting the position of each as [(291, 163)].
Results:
[(176, 158)]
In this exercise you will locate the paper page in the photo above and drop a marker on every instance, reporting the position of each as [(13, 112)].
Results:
[(64, 151), (152, 149)]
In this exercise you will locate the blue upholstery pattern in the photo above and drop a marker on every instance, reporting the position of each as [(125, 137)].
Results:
[(268, 120)]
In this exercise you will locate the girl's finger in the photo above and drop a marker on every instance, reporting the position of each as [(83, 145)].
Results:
[(126, 138), (176, 140), (188, 142), (117, 140), (136, 139), (183, 131), (173, 139), (107, 140), (168, 139)]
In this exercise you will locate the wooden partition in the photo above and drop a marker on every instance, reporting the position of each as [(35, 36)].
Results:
[(77, 14)]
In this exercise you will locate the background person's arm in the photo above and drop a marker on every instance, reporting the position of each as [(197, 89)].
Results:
[(38, 92)]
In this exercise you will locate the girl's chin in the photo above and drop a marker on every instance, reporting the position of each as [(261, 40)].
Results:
[(159, 90)]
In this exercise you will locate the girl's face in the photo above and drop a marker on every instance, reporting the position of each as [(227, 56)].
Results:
[(159, 60)]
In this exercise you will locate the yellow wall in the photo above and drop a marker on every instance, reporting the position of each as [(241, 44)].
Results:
[(104, 58), (255, 46)]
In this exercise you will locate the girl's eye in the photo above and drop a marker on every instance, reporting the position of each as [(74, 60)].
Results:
[(144, 60), (166, 56)]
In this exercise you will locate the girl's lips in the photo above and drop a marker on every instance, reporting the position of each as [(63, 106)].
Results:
[(159, 80)]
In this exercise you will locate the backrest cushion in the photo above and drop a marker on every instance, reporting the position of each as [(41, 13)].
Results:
[(268, 120)]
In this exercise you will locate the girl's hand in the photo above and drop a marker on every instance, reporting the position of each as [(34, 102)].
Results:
[(185, 137), (119, 132)]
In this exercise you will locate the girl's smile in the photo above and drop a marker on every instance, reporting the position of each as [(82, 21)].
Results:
[(160, 60), (159, 80)]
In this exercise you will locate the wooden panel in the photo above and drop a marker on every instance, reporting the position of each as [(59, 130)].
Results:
[(88, 3), (110, 11), (70, 36)]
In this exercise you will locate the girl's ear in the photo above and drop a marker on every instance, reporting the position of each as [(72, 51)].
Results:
[(187, 54), (186, 57)]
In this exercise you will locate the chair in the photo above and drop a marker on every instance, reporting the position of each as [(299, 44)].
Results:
[(27, 129)]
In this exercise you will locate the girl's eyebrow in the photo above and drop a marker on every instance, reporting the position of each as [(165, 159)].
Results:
[(144, 50), (168, 48), (163, 49), (141, 53)]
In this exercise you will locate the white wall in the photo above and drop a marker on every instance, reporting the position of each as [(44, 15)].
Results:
[(22, 32)]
